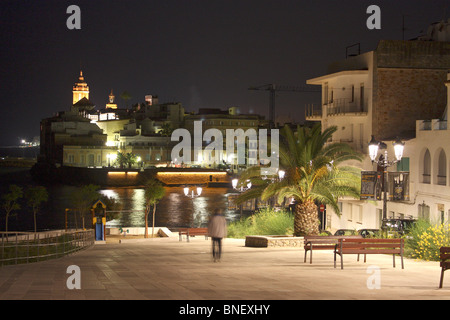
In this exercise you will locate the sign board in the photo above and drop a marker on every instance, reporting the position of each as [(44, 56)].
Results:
[(371, 185), (322, 208), (399, 186)]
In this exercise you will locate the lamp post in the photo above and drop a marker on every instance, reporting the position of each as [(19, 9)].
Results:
[(247, 185), (192, 195), (374, 145)]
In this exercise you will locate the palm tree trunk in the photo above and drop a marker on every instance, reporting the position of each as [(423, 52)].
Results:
[(153, 223), (306, 221), (35, 224), (146, 223), (6, 224)]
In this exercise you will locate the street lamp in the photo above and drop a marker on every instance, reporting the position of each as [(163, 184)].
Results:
[(191, 194), (234, 183), (374, 145)]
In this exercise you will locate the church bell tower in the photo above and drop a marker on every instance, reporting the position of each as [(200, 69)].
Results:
[(80, 89)]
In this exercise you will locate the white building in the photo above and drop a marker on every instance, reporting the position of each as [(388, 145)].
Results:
[(383, 93)]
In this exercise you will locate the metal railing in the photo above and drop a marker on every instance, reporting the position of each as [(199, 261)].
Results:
[(344, 106), (26, 247)]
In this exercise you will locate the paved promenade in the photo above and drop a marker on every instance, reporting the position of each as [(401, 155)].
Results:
[(166, 269)]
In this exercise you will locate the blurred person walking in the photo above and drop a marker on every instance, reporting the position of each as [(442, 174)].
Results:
[(217, 229)]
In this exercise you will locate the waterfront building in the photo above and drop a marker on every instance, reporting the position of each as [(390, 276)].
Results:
[(383, 93), (223, 120), (67, 129)]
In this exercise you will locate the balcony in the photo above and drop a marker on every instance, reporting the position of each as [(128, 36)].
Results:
[(432, 125), (313, 112), (344, 106), (336, 107)]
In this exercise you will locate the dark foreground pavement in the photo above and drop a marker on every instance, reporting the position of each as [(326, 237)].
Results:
[(166, 269)]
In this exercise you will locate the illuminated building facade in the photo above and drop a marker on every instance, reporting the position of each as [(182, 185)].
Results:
[(80, 89)]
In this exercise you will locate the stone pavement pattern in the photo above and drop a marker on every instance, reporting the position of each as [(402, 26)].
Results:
[(166, 269)]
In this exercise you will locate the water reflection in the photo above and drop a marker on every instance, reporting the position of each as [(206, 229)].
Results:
[(174, 210)]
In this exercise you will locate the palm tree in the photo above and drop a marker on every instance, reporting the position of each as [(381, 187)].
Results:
[(126, 96), (10, 201), (35, 196), (313, 174), (154, 191), (82, 199), (131, 159)]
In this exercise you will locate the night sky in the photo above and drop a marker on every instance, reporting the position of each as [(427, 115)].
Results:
[(204, 54)]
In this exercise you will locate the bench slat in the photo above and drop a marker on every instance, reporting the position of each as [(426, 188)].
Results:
[(323, 243), (369, 246), (364, 251), (193, 232), (445, 265)]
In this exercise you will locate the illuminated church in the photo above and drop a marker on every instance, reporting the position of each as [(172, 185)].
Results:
[(80, 89), (81, 96)]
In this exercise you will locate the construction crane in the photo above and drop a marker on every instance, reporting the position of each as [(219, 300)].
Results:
[(273, 88)]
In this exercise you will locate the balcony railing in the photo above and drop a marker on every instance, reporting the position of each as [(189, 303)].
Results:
[(313, 111), (344, 106), (432, 125), (335, 107)]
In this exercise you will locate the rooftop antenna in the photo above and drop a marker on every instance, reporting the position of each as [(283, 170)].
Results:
[(358, 45)]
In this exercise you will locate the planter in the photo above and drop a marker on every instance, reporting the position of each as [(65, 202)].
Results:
[(273, 241)]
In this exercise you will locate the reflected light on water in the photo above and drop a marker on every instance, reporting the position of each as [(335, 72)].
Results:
[(174, 210)]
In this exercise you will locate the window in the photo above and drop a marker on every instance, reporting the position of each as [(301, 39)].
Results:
[(361, 96), (441, 178), (426, 167), (403, 165), (358, 213), (423, 212)]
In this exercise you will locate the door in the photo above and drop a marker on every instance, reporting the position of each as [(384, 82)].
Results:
[(99, 231)]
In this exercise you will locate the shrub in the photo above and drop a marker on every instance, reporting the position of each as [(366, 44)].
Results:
[(425, 240), (266, 221)]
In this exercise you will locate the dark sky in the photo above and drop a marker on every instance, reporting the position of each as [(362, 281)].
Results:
[(202, 53)]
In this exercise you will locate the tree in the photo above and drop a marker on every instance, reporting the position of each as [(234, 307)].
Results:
[(154, 191), (121, 159), (82, 199), (111, 205), (313, 174), (131, 159), (126, 96), (35, 196), (126, 159), (10, 201)]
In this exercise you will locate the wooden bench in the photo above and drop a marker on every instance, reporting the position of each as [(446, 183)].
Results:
[(322, 243), (192, 232), (445, 262), (369, 246)]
